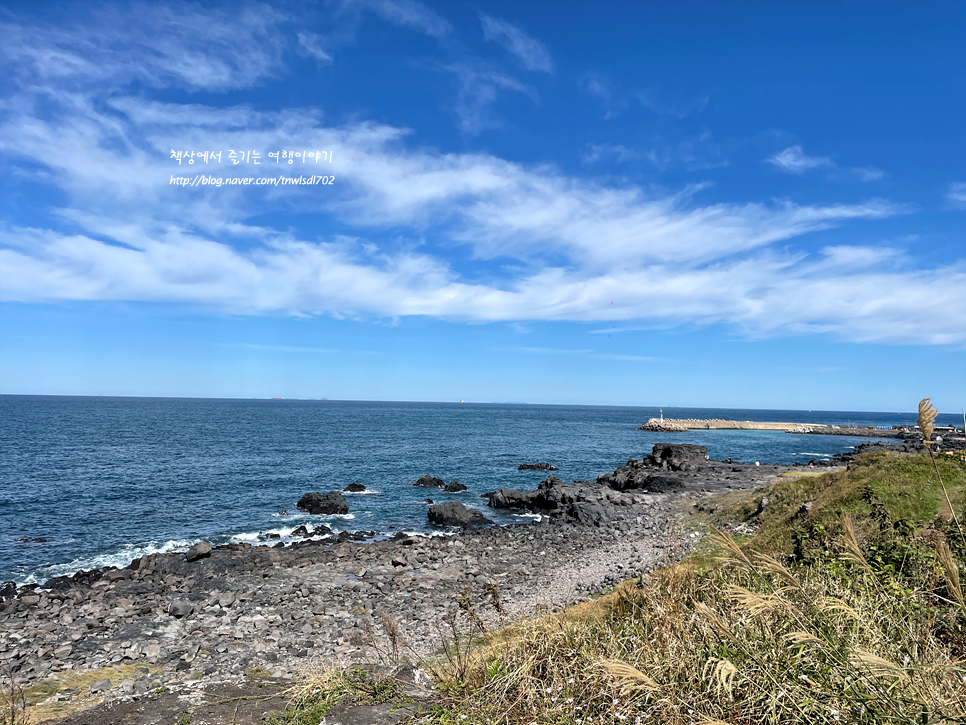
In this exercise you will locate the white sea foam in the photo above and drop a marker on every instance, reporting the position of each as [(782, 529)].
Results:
[(120, 559), (367, 492), (426, 534), (535, 517)]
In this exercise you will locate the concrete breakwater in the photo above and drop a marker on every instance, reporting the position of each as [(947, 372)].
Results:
[(679, 425)]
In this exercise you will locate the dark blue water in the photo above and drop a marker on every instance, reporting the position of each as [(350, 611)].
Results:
[(105, 480)]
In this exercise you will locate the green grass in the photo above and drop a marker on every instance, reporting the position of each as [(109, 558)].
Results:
[(878, 489)]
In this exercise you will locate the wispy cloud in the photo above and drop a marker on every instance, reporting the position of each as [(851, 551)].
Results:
[(479, 89), (868, 173), (956, 196), (213, 50), (411, 14), (695, 153), (568, 245), (311, 44), (615, 100), (616, 151), (531, 52), (794, 161)]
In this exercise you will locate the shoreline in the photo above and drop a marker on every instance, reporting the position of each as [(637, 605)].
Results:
[(204, 619)]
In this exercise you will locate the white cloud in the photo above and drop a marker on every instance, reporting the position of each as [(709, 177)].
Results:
[(616, 151), (531, 52), (956, 196), (214, 50), (868, 173), (567, 246), (615, 101), (479, 88), (411, 14), (859, 256), (312, 45), (695, 154), (794, 161)]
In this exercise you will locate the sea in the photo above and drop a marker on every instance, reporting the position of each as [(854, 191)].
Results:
[(104, 480)]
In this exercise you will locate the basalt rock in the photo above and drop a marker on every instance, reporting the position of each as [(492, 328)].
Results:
[(201, 550), (655, 472), (588, 513), (354, 488), (454, 487), (536, 467), (507, 498), (430, 482), (453, 513), (678, 456), (8, 591), (329, 503)]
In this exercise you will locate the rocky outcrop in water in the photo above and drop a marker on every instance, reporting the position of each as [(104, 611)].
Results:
[(428, 481), (329, 503), (354, 488), (454, 486), (649, 473), (670, 467), (583, 502), (536, 467), (453, 513)]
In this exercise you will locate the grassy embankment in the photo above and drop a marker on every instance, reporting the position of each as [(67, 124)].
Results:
[(851, 611)]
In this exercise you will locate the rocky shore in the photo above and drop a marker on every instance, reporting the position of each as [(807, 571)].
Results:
[(211, 614)]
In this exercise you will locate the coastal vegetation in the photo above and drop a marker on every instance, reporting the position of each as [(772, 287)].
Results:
[(841, 602)]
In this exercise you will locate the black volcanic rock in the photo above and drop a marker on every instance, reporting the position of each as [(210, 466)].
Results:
[(8, 590), (677, 456), (430, 482), (354, 488), (332, 502), (536, 467), (453, 513), (656, 472), (507, 498), (201, 550), (454, 487)]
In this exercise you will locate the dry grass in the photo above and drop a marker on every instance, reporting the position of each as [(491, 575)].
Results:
[(803, 474), (43, 710), (758, 635), (694, 646)]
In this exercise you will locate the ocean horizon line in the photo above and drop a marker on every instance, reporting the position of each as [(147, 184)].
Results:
[(450, 402)]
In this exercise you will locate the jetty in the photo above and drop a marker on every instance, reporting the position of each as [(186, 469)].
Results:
[(680, 425)]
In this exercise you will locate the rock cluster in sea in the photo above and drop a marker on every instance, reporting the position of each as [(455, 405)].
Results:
[(329, 503)]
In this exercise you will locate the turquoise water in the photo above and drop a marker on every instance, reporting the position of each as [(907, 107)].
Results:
[(105, 480)]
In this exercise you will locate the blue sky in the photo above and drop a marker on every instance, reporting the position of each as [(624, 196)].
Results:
[(691, 203)]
